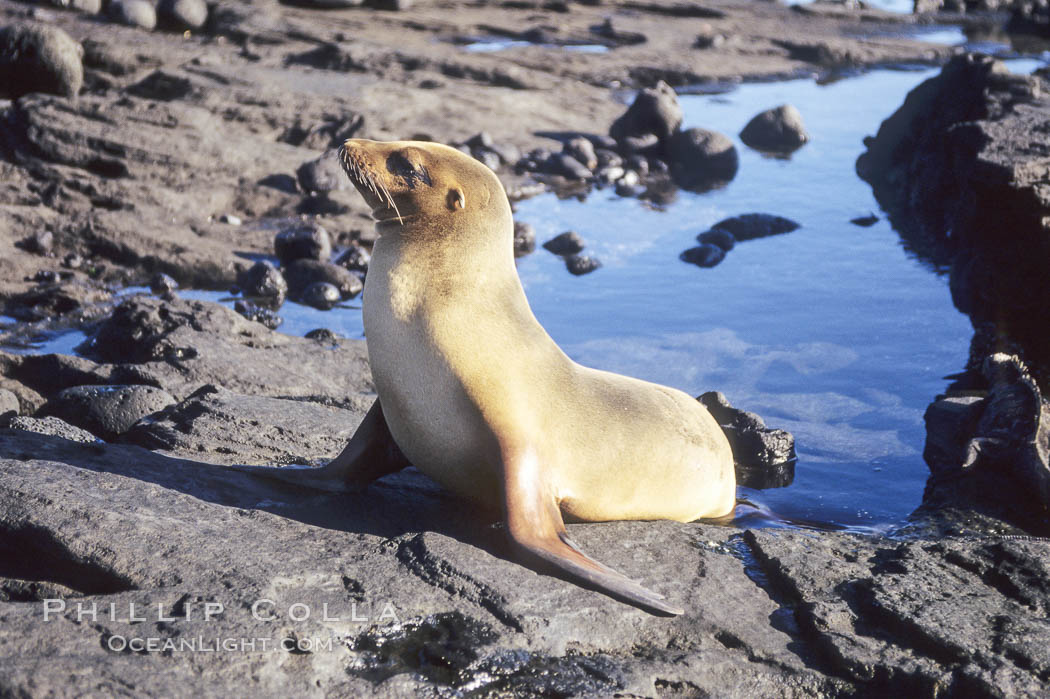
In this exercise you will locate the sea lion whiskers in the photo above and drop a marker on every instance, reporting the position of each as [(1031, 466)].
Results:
[(390, 199), (359, 175)]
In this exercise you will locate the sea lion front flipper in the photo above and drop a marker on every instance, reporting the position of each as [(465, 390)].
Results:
[(537, 533), (370, 454)]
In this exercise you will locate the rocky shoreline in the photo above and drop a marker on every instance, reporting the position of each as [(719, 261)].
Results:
[(221, 121), (187, 151), (151, 519)]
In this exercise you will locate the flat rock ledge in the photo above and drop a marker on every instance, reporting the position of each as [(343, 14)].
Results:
[(127, 569), (402, 589)]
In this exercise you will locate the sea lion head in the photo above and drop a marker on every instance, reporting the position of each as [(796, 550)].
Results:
[(409, 182)]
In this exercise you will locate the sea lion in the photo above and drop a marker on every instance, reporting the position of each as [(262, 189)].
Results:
[(474, 392)]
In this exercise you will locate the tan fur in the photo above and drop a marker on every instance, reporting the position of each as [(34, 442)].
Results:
[(469, 381)]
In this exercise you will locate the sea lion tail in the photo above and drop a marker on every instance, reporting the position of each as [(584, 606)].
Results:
[(537, 532)]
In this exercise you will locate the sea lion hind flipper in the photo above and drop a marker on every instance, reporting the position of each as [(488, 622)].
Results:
[(370, 454), (537, 533)]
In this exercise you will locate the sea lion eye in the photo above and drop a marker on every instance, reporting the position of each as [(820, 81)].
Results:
[(397, 164)]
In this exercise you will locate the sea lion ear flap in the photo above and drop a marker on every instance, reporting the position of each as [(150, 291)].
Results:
[(457, 200)]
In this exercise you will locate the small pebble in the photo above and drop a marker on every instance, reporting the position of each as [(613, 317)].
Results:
[(40, 242), (565, 164), (480, 140), (322, 335), (260, 315), (582, 150), (488, 157), (608, 175), (46, 276), (625, 189), (161, 284)]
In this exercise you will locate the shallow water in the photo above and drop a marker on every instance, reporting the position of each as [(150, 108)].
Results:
[(834, 332), (493, 44), (901, 6)]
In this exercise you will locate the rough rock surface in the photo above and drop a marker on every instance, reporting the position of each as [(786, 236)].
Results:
[(108, 411), (764, 457), (235, 428), (989, 450), (179, 156), (173, 137), (420, 597), (960, 166), (403, 589), (184, 345)]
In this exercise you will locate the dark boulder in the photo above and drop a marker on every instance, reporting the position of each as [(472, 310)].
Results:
[(654, 111), (582, 151), (304, 242), (579, 265), (108, 411), (567, 243), (778, 130), (701, 159), (706, 255), (304, 273), (355, 258), (182, 15), (765, 458), (39, 58), (265, 316), (718, 236), (134, 13), (991, 453), (322, 175), (321, 295), (263, 280), (524, 238), (753, 226)]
